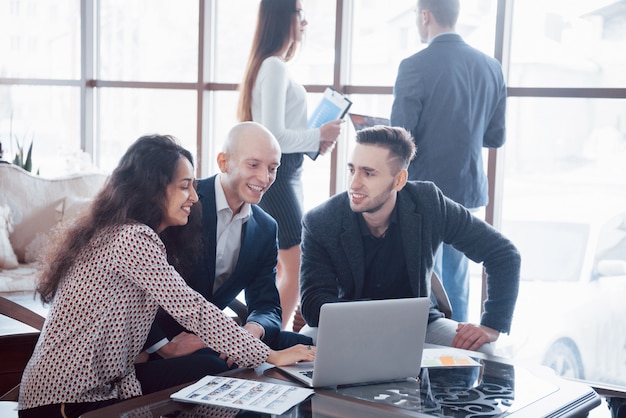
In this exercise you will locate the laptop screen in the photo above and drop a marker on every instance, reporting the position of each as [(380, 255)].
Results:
[(365, 121)]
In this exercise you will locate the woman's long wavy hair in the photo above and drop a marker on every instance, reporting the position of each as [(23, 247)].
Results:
[(135, 192), (275, 27)]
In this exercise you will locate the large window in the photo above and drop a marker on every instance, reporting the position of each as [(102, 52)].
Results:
[(562, 43), (82, 79), (382, 36), (126, 113), (148, 40), (41, 41), (564, 185)]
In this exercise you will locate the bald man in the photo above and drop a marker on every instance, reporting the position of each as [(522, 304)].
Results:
[(240, 253)]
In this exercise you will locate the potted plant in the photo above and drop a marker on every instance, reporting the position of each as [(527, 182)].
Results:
[(23, 161), (19, 160)]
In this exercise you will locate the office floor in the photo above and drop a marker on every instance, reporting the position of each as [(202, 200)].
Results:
[(9, 326)]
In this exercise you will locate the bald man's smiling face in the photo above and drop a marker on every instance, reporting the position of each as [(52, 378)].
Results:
[(249, 167)]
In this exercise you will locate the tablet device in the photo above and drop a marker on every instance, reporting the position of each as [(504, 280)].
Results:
[(333, 105)]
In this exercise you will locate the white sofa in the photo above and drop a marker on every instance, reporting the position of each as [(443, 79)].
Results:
[(30, 206)]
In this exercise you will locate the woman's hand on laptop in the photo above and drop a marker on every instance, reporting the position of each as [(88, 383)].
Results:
[(291, 355), (472, 336)]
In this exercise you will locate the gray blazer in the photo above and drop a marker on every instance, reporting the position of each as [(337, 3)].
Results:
[(452, 98), (332, 268)]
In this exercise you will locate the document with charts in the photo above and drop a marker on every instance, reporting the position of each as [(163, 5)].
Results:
[(249, 395)]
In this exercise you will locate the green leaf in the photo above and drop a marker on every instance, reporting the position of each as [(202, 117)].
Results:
[(28, 164)]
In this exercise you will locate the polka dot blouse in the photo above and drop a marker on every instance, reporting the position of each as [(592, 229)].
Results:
[(102, 314)]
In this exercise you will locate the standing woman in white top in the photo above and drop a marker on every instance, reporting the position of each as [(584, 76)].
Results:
[(271, 97)]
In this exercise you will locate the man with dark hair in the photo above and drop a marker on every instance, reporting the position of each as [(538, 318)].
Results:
[(452, 98), (378, 241)]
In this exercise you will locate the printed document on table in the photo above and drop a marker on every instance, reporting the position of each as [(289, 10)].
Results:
[(249, 395), (442, 357)]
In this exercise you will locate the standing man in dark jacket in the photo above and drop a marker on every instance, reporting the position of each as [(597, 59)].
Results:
[(452, 98)]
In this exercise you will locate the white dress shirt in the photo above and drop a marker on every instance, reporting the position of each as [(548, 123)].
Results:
[(228, 235)]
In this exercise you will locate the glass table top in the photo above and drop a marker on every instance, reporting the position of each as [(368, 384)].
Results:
[(492, 389)]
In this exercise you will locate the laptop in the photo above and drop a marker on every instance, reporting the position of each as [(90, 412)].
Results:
[(365, 121), (366, 342)]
